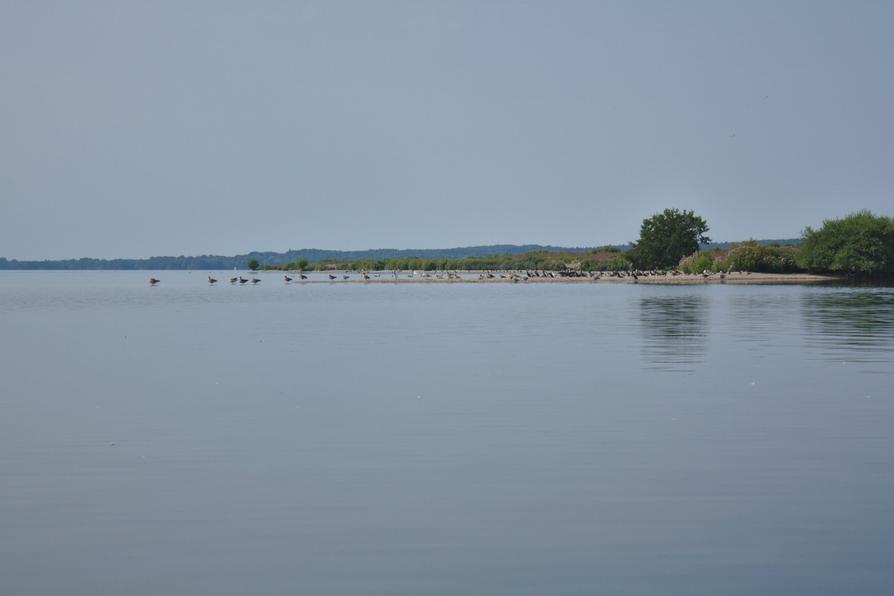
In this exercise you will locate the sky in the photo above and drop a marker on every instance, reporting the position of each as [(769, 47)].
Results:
[(131, 129)]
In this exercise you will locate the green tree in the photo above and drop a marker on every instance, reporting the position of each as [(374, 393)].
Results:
[(667, 237), (860, 244), (253, 264), (302, 264)]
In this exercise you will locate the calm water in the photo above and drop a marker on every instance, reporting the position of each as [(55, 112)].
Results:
[(461, 439)]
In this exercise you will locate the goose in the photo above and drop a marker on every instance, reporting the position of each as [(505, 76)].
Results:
[(346, 276), (303, 276), (331, 276), (153, 281), (234, 280), (242, 280), (211, 280), (287, 278), (255, 280)]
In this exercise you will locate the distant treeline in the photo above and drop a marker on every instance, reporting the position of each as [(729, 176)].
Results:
[(604, 258), (314, 256)]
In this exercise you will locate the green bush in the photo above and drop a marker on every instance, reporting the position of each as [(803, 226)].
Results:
[(616, 263), (751, 256), (860, 244), (696, 262)]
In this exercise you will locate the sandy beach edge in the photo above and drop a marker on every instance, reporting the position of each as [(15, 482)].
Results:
[(683, 279)]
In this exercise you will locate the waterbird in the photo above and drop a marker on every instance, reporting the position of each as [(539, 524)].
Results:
[(303, 276), (255, 280), (287, 278), (153, 281), (242, 280), (345, 276), (234, 280), (211, 280), (331, 276)]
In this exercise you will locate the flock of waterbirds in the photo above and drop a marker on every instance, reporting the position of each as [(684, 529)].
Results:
[(233, 280), (514, 276)]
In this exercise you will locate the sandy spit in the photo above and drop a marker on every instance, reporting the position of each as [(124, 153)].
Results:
[(716, 278)]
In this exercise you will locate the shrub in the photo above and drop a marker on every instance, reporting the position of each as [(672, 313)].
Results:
[(751, 256), (860, 244), (616, 263), (696, 262)]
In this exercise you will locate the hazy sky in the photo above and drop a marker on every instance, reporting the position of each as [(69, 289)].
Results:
[(145, 128)]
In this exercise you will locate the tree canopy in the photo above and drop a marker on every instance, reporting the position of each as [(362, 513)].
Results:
[(860, 244), (667, 237)]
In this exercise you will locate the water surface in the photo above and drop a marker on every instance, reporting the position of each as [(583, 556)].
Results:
[(435, 439)]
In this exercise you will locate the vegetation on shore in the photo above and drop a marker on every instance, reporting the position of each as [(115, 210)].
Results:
[(667, 237), (745, 256), (858, 245), (861, 244), (606, 258)]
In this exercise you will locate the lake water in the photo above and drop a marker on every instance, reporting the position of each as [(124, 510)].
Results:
[(443, 439)]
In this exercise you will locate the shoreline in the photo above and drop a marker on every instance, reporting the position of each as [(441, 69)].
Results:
[(682, 279)]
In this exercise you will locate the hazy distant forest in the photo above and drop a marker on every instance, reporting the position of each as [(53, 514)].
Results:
[(315, 256)]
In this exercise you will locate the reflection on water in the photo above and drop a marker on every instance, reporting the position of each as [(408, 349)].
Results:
[(850, 325), (674, 329)]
